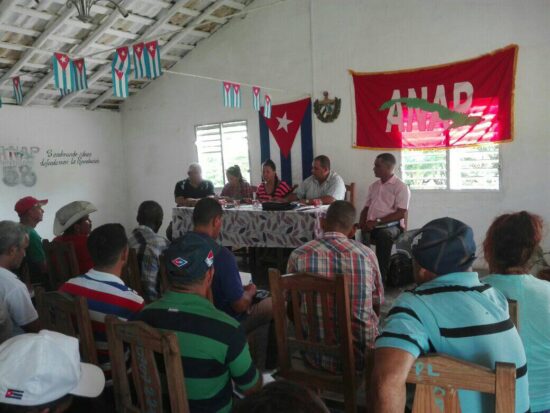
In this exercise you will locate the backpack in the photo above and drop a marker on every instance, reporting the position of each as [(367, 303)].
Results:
[(400, 271)]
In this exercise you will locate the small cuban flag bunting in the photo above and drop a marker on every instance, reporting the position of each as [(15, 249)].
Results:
[(152, 59), (227, 91), (17, 90), (62, 71), (120, 71), (139, 61), (236, 95), (121, 61), (80, 77), (267, 106), (256, 98)]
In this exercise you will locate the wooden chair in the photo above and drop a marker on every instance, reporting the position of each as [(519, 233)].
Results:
[(144, 342), (350, 193), (438, 377), (131, 273), (68, 315), (313, 287), (61, 261), (513, 310)]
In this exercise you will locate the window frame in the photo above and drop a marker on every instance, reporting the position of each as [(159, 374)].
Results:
[(448, 188), (220, 124)]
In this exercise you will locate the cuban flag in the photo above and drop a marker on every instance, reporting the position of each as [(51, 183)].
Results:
[(256, 98), (267, 106), (236, 95), (62, 71), (17, 90), (139, 61), (120, 71), (286, 138), (80, 77), (227, 94), (152, 59)]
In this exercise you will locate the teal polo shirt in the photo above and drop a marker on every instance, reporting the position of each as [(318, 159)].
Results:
[(457, 315), (533, 297)]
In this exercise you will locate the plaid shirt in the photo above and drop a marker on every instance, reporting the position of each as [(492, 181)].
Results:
[(149, 246), (334, 254)]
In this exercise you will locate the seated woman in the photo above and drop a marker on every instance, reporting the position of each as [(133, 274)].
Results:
[(236, 187), (271, 187), (510, 242), (72, 224)]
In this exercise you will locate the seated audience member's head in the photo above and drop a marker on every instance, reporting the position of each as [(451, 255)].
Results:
[(321, 167), (511, 241), (13, 243), (108, 247), (384, 165), (207, 217), (195, 173), (39, 373), (74, 219), (340, 217), (190, 264), (443, 246), (234, 175), (282, 396), (150, 214), (30, 210)]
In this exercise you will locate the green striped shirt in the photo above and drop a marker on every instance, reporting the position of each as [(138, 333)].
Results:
[(213, 349)]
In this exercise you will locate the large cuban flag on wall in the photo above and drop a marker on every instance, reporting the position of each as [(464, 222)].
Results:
[(286, 139)]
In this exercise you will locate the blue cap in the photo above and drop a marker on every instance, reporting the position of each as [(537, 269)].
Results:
[(444, 246), (188, 258)]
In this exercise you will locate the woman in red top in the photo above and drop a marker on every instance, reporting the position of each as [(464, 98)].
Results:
[(271, 187), (73, 225)]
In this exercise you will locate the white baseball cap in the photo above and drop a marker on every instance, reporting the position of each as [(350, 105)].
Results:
[(40, 368)]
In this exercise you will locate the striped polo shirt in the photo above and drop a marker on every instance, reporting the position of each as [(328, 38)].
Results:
[(106, 294), (282, 189), (456, 315), (213, 349)]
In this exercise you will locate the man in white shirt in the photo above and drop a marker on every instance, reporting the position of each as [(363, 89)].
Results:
[(14, 296), (323, 184), (383, 218)]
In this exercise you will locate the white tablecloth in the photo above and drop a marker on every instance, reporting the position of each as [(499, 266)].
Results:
[(249, 227)]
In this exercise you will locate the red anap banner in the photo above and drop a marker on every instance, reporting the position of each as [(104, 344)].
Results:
[(464, 103)]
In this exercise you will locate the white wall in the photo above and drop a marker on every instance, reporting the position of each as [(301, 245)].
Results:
[(307, 47), (98, 133)]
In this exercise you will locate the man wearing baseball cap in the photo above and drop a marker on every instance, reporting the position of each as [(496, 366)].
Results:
[(30, 214), (449, 312), (214, 352), (41, 372)]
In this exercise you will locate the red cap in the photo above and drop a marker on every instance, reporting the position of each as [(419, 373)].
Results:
[(24, 204)]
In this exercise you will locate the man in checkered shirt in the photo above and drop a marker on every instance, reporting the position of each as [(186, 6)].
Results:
[(334, 255)]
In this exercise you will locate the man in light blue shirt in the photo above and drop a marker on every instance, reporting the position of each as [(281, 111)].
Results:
[(450, 312), (323, 184)]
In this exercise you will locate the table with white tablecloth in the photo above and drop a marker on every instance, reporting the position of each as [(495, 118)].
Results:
[(247, 226)]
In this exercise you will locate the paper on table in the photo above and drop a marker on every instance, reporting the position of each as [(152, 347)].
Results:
[(246, 277)]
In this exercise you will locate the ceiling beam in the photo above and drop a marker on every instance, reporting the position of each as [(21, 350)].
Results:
[(6, 7), (90, 40), (163, 18)]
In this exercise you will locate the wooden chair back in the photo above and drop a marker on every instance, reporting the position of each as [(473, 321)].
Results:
[(144, 342), (312, 295), (350, 193), (131, 273), (438, 377), (61, 261), (68, 315), (513, 310)]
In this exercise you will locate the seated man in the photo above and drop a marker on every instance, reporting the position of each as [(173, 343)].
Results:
[(323, 184), (30, 214), (213, 348), (72, 224), (14, 295), (102, 287), (382, 219), (40, 373), (228, 292), (190, 190), (335, 255), (149, 245), (450, 312)]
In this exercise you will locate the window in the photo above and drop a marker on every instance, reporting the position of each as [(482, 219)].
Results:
[(455, 169), (221, 145)]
